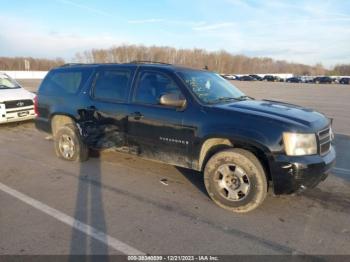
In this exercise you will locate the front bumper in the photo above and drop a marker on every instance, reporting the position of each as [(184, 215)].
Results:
[(294, 173), (15, 115)]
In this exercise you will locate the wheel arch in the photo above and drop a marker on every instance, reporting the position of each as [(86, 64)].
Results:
[(60, 119), (213, 145)]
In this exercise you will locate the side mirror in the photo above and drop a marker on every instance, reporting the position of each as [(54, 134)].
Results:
[(174, 100)]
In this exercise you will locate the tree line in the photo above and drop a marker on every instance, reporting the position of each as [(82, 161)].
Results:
[(29, 63), (341, 70), (219, 61)]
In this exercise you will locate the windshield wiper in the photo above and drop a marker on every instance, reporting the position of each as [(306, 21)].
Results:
[(223, 99), (230, 98), (245, 97)]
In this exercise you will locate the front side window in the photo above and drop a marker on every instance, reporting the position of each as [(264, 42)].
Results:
[(152, 85), (210, 88), (7, 83), (112, 85)]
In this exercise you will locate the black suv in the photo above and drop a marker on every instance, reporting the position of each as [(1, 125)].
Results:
[(323, 80), (344, 80), (247, 78), (258, 78), (271, 78), (189, 118), (294, 79)]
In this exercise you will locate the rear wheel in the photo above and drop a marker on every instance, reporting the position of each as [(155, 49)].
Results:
[(235, 180), (69, 145)]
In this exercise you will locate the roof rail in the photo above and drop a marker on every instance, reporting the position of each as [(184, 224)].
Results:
[(72, 64), (131, 62), (147, 62)]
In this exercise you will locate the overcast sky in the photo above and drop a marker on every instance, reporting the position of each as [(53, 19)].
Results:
[(298, 31)]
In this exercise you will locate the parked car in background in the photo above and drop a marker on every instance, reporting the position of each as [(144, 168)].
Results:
[(258, 78), (229, 77), (323, 80), (16, 103), (294, 79), (271, 78), (344, 80), (247, 78), (307, 79)]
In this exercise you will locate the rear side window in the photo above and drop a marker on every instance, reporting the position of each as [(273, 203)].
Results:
[(63, 82), (112, 85)]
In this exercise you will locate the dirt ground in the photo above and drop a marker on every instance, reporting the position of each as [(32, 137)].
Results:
[(161, 209)]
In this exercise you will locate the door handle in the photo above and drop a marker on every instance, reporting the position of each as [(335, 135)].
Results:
[(136, 115)]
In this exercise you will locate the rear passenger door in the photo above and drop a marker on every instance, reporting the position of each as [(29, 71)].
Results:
[(107, 111)]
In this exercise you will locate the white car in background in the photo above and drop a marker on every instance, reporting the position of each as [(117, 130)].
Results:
[(16, 103)]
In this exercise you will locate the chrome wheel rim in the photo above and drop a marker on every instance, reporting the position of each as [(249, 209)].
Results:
[(232, 182), (66, 146)]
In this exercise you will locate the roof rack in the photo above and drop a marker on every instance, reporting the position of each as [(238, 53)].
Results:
[(86, 64), (131, 62), (147, 62), (72, 64)]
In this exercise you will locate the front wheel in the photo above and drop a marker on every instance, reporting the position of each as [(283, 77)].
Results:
[(235, 180), (68, 144)]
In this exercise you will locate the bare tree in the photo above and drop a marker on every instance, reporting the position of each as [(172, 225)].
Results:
[(343, 70), (18, 63), (219, 61)]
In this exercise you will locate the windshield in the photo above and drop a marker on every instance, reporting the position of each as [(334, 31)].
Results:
[(210, 88), (7, 83)]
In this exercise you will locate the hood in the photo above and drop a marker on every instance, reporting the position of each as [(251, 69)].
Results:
[(288, 113), (15, 94)]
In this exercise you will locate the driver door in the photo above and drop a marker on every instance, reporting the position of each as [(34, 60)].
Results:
[(156, 130)]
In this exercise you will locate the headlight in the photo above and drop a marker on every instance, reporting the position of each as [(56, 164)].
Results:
[(300, 144), (331, 133)]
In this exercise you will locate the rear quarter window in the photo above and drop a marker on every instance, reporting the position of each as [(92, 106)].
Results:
[(64, 82)]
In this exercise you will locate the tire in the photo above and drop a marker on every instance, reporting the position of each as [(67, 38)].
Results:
[(227, 176), (68, 144)]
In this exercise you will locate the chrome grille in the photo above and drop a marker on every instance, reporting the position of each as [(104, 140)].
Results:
[(324, 138), (18, 103)]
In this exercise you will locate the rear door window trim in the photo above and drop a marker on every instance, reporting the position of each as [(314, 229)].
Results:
[(114, 101)]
